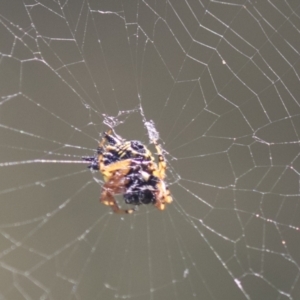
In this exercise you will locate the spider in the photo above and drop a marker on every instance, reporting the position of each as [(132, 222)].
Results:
[(129, 168)]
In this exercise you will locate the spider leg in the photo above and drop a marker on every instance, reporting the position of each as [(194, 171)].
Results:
[(163, 196), (161, 171), (104, 139), (112, 140), (159, 205), (108, 199), (123, 166), (167, 196), (107, 138), (116, 185)]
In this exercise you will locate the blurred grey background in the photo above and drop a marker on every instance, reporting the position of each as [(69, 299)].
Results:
[(220, 80)]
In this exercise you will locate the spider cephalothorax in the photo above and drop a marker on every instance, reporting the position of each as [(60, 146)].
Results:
[(128, 168)]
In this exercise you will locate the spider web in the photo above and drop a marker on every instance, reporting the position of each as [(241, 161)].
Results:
[(217, 82)]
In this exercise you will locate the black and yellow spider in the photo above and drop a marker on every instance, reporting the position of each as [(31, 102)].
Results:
[(128, 168)]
